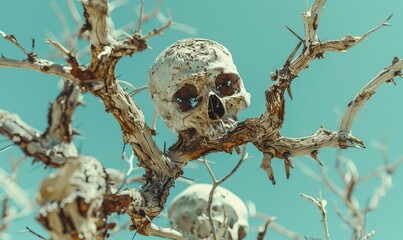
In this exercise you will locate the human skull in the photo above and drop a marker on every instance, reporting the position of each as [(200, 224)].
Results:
[(194, 83), (188, 213)]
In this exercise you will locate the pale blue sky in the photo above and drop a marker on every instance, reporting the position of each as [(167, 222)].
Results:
[(254, 32)]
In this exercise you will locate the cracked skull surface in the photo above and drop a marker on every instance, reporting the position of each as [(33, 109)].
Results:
[(194, 83), (188, 213), (71, 200)]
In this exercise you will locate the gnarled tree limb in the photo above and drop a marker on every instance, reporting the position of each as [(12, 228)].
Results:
[(162, 169), (264, 132), (31, 142)]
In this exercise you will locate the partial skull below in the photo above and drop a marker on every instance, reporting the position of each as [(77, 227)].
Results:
[(194, 83), (188, 213)]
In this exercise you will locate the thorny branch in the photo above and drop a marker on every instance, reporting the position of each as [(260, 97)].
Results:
[(355, 216), (98, 78), (55, 144), (31, 142), (162, 169), (263, 132)]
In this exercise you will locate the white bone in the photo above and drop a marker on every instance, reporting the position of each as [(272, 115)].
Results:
[(197, 62), (188, 214)]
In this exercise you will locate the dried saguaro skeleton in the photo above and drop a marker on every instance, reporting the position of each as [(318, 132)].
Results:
[(209, 83)]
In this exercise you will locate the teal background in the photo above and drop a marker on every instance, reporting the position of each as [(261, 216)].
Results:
[(254, 32)]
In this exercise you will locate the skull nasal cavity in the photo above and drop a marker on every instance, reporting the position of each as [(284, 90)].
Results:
[(215, 108)]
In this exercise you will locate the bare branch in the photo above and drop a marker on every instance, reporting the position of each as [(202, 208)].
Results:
[(153, 13), (216, 183), (270, 223), (137, 90), (343, 216), (68, 35), (154, 125), (96, 14), (379, 193), (154, 230), (34, 233), (140, 21), (324, 179), (263, 230), (6, 148), (60, 114), (338, 166), (350, 179), (40, 65), (127, 84), (159, 30), (161, 168), (321, 204), (55, 145), (267, 138), (74, 12), (130, 162), (13, 40), (31, 142), (13, 192), (367, 91), (369, 235), (263, 132), (386, 168), (60, 47)]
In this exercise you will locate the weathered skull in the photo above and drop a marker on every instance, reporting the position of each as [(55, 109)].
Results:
[(71, 200), (188, 213), (195, 84)]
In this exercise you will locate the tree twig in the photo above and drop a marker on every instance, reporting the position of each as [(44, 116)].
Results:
[(270, 222), (34, 233), (216, 183), (140, 21), (321, 204)]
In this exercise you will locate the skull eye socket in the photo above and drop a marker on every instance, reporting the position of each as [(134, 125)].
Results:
[(187, 98), (227, 84)]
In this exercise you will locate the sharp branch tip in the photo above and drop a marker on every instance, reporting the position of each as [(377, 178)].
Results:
[(294, 33)]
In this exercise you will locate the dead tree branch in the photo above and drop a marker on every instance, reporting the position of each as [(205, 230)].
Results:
[(13, 194), (162, 169), (216, 183), (386, 75), (321, 204), (270, 223), (354, 215), (31, 142), (264, 132)]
